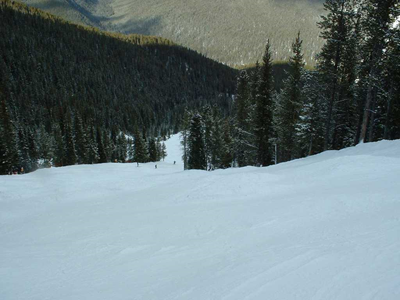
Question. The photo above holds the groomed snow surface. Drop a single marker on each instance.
(324, 227)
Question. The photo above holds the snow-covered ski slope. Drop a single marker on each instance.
(324, 227)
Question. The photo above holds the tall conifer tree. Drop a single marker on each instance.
(139, 143)
(290, 103)
(334, 29)
(379, 18)
(243, 135)
(263, 123)
(197, 155)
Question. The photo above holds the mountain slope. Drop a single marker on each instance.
(231, 31)
(113, 80)
(323, 227)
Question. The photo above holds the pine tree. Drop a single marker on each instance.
(289, 104)
(380, 15)
(92, 147)
(46, 147)
(335, 28)
(392, 79)
(131, 150)
(109, 145)
(310, 129)
(163, 153)
(69, 144)
(251, 153)
(263, 123)
(8, 149)
(153, 153)
(33, 151)
(253, 87)
(227, 146)
(80, 140)
(243, 136)
(197, 156)
(208, 124)
(141, 155)
(185, 130)
(4, 166)
(120, 152)
(59, 151)
(216, 147)
(23, 149)
(100, 146)
(346, 112)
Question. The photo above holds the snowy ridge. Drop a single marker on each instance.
(324, 227)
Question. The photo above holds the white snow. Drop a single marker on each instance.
(324, 227)
(174, 150)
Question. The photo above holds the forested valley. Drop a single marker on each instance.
(72, 94)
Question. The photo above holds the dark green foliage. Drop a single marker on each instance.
(197, 155)
(185, 131)
(9, 159)
(23, 146)
(153, 151)
(377, 33)
(70, 152)
(216, 143)
(290, 104)
(263, 128)
(227, 146)
(59, 148)
(391, 107)
(219, 142)
(243, 100)
(130, 150)
(310, 128)
(81, 141)
(140, 149)
(280, 70)
(45, 145)
(122, 147)
(208, 121)
(111, 147)
(100, 146)
(335, 29)
(92, 149)
(163, 151)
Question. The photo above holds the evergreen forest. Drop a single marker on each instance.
(351, 96)
(73, 94)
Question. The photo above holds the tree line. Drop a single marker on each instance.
(352, 96)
